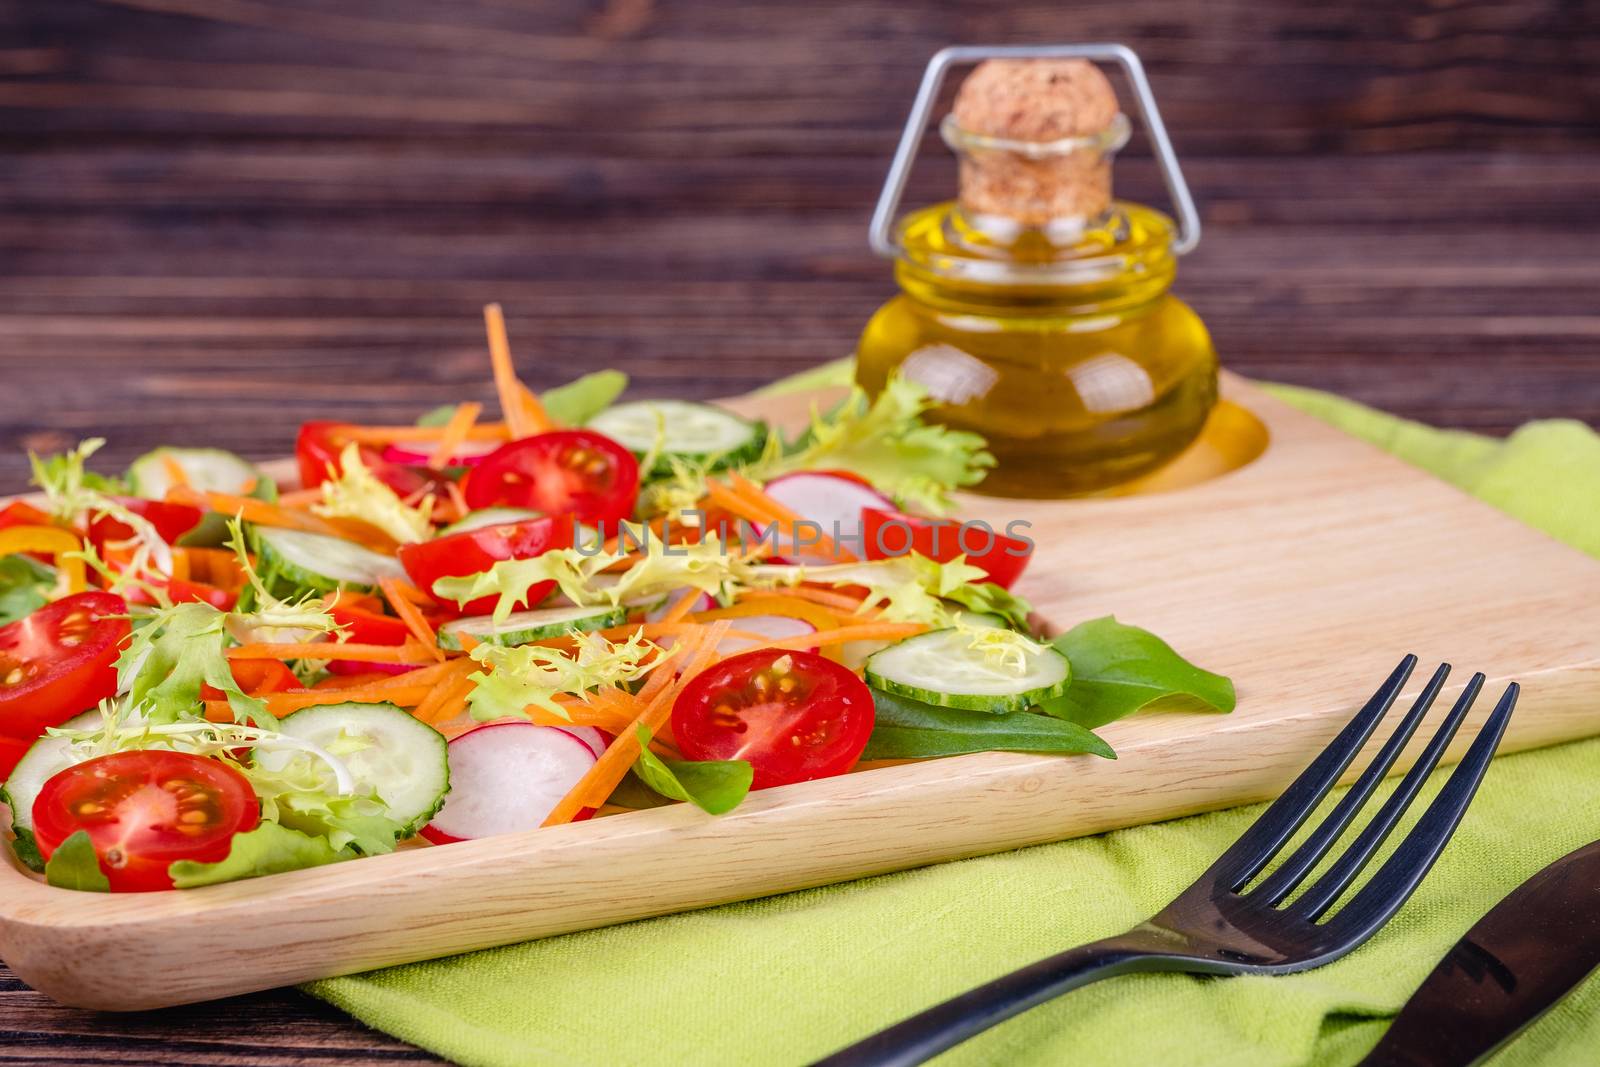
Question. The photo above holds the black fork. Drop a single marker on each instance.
(1222, 924)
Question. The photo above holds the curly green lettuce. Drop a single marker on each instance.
(356, 493)
(515, 679)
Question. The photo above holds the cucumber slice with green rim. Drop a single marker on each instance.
(46, 758)
(486, 517)
(207, 469)
(401, 758)
(302, 560)
(942, 668)
(521, 627)
(698, 433)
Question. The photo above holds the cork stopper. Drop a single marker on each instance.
(1035, 137)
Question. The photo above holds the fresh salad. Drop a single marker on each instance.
(468, 627)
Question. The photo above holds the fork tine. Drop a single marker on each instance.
(1395, 881)
(1279, 822)
(1283, 881)
(1321, 896)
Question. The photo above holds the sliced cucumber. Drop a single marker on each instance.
(485, 517)
(400, 758)
(942, 668)
(521, 627)
(303, 560)
(207, 469)
(47, 757)
(699, 433)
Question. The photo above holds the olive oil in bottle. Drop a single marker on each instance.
(1035, 309)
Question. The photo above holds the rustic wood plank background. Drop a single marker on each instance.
(219, 217)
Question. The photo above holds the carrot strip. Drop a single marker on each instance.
(680, 610)
(788, 519)
(261, 513)
(507, 388)
(387, 435)
(759, 508)
(600, 780)
(445, 694)
(174, 470)
(840, 601)
(410, 652)
(533, 410)
(872, 631)
(455, 432)
(458, 500)
(300, 498)
(281, 704)
(408, 614)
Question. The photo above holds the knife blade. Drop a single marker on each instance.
(1527, 953)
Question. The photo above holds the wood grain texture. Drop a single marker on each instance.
(214, 204)
(1413, 565)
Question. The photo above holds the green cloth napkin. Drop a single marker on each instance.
(786, 979)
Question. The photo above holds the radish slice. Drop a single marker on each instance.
(596, 740)
(703, 602)
(507, 777)
(831, 501)
(470, 454)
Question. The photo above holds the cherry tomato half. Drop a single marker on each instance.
(171, 521)
(144, 811)
(891, 533)
(475, 551)
(59, 661)
(568, 472)
(319, 445)
(794, 715)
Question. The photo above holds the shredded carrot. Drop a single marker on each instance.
(599, 780)
(757, 507)
(454, 687)
(872, 631)
(410, 652)
(281, 704)
(455, 432)
(261, 513)
(458, 501)
(401, 435)
(349, 598)
(841, 602)
(787, 519)
(533, 410)
(522, 418)
(174, 470)
(680, 609)
(408, 614)
(300, 498)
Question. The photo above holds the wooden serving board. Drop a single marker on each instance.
(1304, 575)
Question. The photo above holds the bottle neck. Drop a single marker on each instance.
(962, 263)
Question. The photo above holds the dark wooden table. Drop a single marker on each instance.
(220, 217)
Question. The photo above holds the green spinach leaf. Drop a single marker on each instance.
(76, 865)
(580, 400)
(25, 584)
(909, 729)
(1119, 669)
(714, 786)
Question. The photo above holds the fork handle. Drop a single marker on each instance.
(925, 1035)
